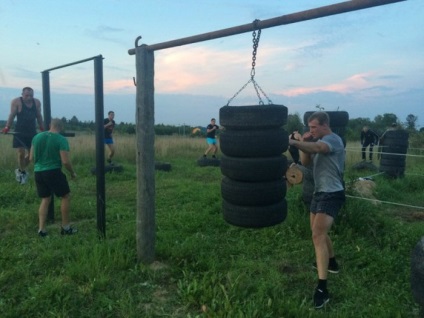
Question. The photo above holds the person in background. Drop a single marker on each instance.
(211, 138)
(27, 110)
(49, 152)
(328, 157)
(368, 138)
(294, 152)
(109, 126)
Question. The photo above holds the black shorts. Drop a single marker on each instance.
(22, 140)
(329, 203)
(51, 182)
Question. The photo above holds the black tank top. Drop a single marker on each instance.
(25, 122)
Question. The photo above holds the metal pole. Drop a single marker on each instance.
(100, 154)
(321, 12)
(45, 79)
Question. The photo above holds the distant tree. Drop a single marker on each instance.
(410, 122)
(355, 125)
(74, 121)
(294, 121)
(319, 107)
(382, 122)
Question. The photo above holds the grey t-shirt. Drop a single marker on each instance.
(328, 168)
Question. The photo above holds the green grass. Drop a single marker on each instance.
(203, 266)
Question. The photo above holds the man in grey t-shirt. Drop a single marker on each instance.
(328, 157)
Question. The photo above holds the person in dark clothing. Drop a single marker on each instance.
(210, 138)
(26, 109)
(109, 125)
(368, 138)
(294, 152)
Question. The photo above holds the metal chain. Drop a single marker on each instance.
(255, 40)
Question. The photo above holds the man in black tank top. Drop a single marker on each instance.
(27, 110)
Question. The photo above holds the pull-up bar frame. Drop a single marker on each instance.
(99, 110)
(145, 223)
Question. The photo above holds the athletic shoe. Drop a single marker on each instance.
(18, 175)
(42, 234)
(332, 268)
(321, 297)
(24, 177)
(69, 231)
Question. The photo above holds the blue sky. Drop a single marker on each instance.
(367, 62)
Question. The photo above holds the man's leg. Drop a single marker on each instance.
(371, 150)
(42, 213)
(64, 209)
(111, 148)
(22, 160)
(214, 149)
(320, 226)
(363, 152)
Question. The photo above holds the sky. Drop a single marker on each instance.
(367, 62)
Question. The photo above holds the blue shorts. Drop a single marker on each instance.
(329, 203)
(211, 141)
(108, 141)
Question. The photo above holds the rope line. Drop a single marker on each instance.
(387, 202)
(387, 153)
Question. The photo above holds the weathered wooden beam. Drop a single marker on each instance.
(145, 220)
(316, 13)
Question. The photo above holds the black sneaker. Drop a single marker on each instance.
(42, 234)
(321, 297)
(332, 268)
(69, 231)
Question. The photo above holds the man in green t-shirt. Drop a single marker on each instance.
(49, 151)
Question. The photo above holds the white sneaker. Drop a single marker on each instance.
(24, 177)
(18, 175)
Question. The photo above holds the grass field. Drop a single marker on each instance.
(203, 267)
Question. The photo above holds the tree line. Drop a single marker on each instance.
(294, 121)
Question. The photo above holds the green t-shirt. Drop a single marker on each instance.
(46, 150)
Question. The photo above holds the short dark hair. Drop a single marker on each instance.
(27, 89)
(213, 119)
(111, 112)
(322, 118)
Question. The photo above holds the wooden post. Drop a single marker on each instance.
(145, 220)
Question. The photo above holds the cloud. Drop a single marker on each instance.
(352, 84)
(106, 33)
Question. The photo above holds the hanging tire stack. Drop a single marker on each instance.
(338, 123)
(252, 142)
(394, 146)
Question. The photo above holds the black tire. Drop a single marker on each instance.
(253, 216)
(393, 156)
(162, 166)
(253, 117)
(109, 168)
(254, 143)
(394, 172)
(253, 193)
(204, 162)
(254, 169)
(398, 163)
(337, 118)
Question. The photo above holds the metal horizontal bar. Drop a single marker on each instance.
(69, 64)
(316, 13)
